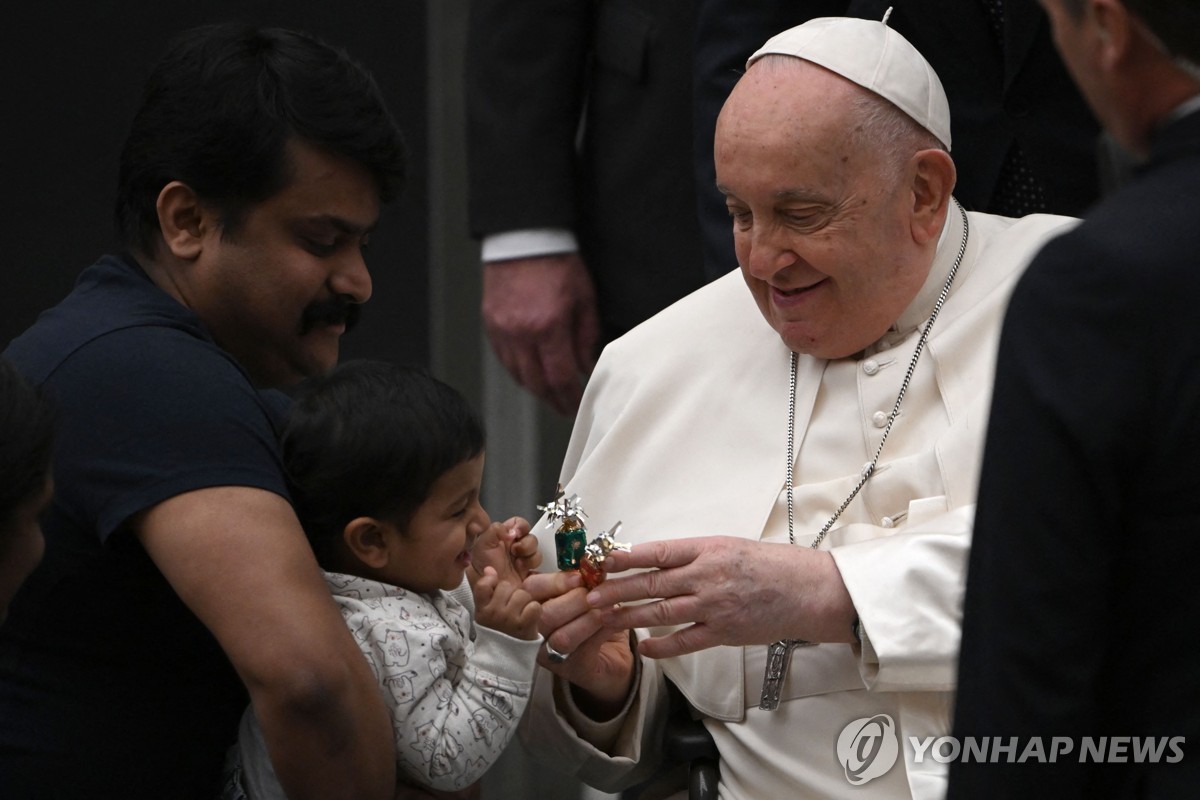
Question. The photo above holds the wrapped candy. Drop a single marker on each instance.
(570, 538)
(571, 547)
(591, 566)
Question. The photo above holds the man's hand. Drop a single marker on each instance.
(725, 591)
(599, 661)
(504, 606)
(540, 316)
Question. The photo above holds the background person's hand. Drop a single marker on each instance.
(725, 591)
(540, 316)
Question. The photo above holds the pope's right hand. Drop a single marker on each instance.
(600, 662)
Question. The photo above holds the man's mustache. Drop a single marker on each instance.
(334, 311)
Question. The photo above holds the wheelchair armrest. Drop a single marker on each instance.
(686, 739)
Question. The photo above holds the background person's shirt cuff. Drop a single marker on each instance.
(528, 243)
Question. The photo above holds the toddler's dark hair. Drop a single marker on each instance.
(370, 439)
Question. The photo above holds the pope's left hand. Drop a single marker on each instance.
(725, 591)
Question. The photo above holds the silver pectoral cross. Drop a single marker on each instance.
(779, 656)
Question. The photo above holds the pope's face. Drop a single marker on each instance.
(821, 229)
(279, 290)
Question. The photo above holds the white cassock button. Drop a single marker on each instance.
(879, 419)
(871, 366)
(887, 522)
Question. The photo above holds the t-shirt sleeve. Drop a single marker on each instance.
(152, 413)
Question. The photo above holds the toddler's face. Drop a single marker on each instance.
(435, 550)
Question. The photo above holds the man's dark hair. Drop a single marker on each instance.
(370, 439)
(219, 110)
(26, 442)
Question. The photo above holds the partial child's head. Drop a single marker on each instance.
(384, 464)
(26, 439)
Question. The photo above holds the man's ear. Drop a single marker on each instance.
(182, 220)
(364, 537)
(933, 177)
(1114, 30)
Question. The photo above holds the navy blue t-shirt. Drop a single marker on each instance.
(109, 685)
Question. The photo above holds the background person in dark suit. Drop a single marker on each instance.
(1081, 607)
(581, 185)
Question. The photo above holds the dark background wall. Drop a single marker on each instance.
(70, 80)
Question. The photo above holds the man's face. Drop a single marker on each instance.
(277, 292)
(821, 230)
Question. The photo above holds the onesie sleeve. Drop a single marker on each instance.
(455, 702)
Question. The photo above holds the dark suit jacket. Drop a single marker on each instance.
(579, 117)
(727, 32)
(1026, 96)
(1082, 608)
(997, 97)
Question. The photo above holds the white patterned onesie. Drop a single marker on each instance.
(455, 690)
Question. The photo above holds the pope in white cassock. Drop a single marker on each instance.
(797, 462)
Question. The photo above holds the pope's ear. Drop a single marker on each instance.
(182, 220)
(364, 538)
(933, 178)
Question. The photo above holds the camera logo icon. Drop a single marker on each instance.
(867, 748)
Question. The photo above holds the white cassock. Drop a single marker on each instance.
(683, 432)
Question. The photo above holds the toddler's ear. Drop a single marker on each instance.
(364, 537)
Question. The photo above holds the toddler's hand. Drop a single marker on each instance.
(523, 546)
(505, 606)
(509, 548)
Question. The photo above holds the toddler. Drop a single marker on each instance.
(384, 464)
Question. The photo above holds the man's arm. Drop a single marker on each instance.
(238, 559)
